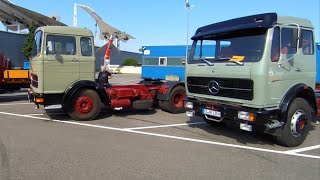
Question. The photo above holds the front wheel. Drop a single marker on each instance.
(85, 105)
(297, 127)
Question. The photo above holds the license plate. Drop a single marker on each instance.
(245, 127)
(56, 106)
(211, 112)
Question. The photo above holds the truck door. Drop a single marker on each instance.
(61, 63)
(289, 65)
(87, 59)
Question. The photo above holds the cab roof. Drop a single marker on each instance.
(66, 30)
(257, 21)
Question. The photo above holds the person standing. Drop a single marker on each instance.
(103, 77)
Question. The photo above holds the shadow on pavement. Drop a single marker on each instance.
(232, 130)
(12, 97)
(59, 114)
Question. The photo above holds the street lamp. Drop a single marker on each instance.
(188, 8)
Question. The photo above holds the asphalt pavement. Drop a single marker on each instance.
(149, 144)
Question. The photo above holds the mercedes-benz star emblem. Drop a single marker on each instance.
(214, 87)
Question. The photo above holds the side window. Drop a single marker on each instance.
(37, 43)
(162, 61)
(64, 45)
(286, 37)
(275, 47)
(307, 42)
(86, 46)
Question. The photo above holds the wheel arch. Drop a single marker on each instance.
(78, 85)
(170, 85)
(299, 90)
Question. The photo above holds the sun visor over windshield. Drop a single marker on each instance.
(249, 22)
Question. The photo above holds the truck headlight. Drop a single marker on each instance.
(188, 105)
(247, 116)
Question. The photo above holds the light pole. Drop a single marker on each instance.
(188, 8)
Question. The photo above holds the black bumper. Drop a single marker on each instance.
(49, 99)
(230, 113)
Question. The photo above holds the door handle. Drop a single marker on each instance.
(298, 70)
(75, 60)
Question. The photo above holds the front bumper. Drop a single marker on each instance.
(230, 112)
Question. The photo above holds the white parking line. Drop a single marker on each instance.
(169, 125)
(12, 104)
(36, 114)
(171, 137)
(304, 149)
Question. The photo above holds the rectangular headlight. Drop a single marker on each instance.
(188, 105)
(247, 116)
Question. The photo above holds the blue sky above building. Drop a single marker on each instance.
(165, 22)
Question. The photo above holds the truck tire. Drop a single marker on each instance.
(162, 105)
(175, 104)
(297, 127)
(85, 105)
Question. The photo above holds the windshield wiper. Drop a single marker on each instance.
(231, 60)
(206, 61)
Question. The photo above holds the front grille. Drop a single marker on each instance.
(228, 87)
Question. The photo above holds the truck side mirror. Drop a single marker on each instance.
(294, 38)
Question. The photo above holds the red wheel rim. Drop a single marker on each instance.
(84, 104)
(178, 99)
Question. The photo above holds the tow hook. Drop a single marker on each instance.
(37, 106)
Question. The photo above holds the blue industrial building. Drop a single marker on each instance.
(160, 61)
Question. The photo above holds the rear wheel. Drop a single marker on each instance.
(85, 105)
(175, 104)
(298, 123)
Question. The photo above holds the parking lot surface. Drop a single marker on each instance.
(149, 144)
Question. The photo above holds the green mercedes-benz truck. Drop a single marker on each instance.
(260, 73)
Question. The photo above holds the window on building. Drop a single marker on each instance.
(64, 45)
(307, 42)
(163, 61)
(286, 39)
(275, 47)
(86, 46)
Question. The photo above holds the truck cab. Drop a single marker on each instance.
(259, 72)
(64, 57)
(63, 76)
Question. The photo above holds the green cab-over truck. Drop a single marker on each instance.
(63, 76)
(261, 75)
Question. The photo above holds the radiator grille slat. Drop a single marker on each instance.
(229, 87)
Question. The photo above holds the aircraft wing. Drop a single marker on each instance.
(10, 13)
(106, 29)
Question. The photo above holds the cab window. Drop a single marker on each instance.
(86, 46)
(37, 43)
(307, 42)
(275, 47)
(286, 38)
(64, 45)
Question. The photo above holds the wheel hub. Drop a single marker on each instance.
(178, 100)
(84, 104)
(298, 123)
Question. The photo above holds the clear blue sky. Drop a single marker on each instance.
(164, 22)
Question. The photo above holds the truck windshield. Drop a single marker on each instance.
(246, 46)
